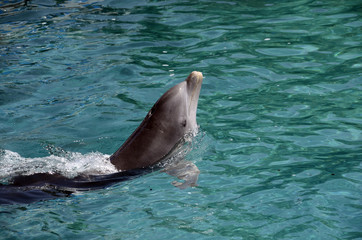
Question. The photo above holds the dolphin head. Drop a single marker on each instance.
(170, 118)
(178, 106)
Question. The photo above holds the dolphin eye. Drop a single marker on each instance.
(151, 111)
(184, 123)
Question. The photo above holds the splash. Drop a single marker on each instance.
(190, 142)
(69, 164)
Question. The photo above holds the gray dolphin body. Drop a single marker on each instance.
(169, 120)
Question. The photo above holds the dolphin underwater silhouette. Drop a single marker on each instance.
(165, 127)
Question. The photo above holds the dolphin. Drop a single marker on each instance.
(165, 127)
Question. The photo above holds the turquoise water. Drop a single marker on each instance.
(280, 142)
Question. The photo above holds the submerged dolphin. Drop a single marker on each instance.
(167, 123)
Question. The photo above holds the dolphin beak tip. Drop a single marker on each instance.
(197, 74)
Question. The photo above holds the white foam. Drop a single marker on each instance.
(69, 164)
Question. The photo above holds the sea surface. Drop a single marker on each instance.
(280, 114)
